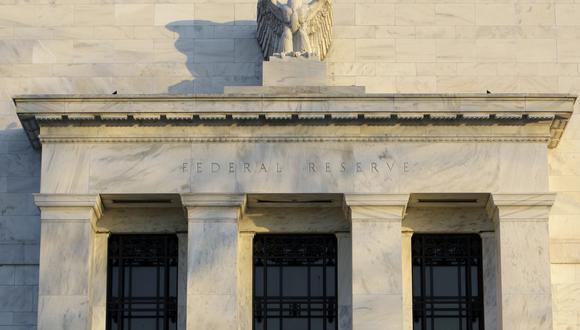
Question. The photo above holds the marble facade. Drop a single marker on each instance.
(372, 170)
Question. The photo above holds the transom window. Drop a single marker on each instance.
(295, 282)
(447, 282)
(142, 282)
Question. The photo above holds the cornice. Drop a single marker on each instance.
(317, 109)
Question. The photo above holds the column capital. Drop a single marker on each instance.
(213, 207)
(487, 234)
(213, 200)
(376, 207)
(532, 199)
(92, 201)
(376, 199)
(506, 207)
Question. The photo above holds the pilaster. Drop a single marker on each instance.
(67, 264)
(212, 268)
(376, 260)
(523, 269)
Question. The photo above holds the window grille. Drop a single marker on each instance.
(447, 282)
(142, 282)
(295, 282)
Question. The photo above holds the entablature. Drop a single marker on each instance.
(284, 109)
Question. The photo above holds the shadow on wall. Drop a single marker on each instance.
(218, 55)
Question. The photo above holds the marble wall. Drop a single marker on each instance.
(153, 46)
(308, 167)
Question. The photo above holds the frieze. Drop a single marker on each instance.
(309, 167)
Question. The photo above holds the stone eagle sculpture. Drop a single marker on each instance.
(294, 28)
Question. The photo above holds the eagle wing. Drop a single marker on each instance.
(320, 26)
(271, 20)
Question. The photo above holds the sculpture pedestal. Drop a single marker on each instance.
(294, 71)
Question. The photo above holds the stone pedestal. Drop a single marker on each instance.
(212, 268)
(524, 289)
(294, 71)
(66, 262)
(376, 260)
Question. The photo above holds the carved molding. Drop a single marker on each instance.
(70, 200)
(319, 109)
(376, 199)
(213, 200)
(296, 139)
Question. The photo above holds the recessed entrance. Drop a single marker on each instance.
(295, 282)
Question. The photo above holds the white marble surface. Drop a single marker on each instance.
(407, 274)
(294, 71)
(489, 264)
(65, 168)
(245, 280)
(63, 312)
(344, 251)
(67, 265)
(296, 167)
(522, 236)
(377, 311)
(147, 168)
(212, 268)
(442, 219)
(294, 220)
(98, 278)
(376, 266)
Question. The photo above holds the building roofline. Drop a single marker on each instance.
(357, 108)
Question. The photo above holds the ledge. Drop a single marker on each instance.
(290, 108)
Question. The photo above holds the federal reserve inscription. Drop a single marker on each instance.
(310, 167)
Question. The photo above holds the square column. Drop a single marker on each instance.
(67, 242)
(212, 266)
(245, 280)
(344, 249)
(98, 287)
(407, 262)
(523, 278)
(489, 264)
(182, 281)
(376, 260)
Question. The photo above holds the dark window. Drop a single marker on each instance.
(142, 282)
(295, 282)
(447, 283)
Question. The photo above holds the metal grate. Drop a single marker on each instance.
(142, 282)
(447, 282)
(295, 282)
